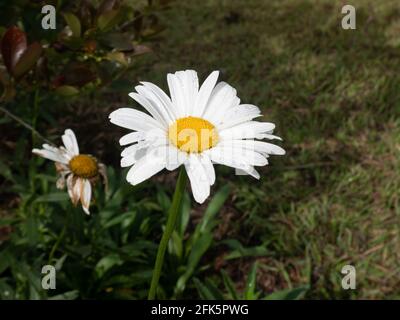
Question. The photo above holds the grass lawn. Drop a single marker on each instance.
(334, 94)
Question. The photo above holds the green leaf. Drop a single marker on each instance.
(28, 59)
(53, 197)
(124, 218)
(67, 90)
(216, 293)
(198, 250)
(5, 260)
(74, 24)
(229, 285)
(175, 245)
(251, 283)
(108, 19)
(32, 230)
(6, 291)
(203, 291)
(117, 41)
(5, 171)
(60, 262)
(240, 251)
(213, 208)
(69, 295)
(106, 263)
(288, 294)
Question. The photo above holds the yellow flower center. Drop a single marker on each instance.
(192, 134)
(84, 166)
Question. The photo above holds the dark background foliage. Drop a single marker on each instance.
(332, 200)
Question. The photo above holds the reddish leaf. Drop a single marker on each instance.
(78, 74)
(28, 59)
(13, 46)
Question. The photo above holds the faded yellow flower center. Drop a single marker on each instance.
(84, 166)
(192, 134)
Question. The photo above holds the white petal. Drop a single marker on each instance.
(239, 114)
(131, 138)
(70, 142)
(247, 130)
(151, 107)
(175, 158)
(258, 146)
(253, 172)
(237, 157)
(159, 100)
(268, 136)
(150, 164)
(86, 195)
(205, 93)
(209, 167)
(241, 111)
(133, 119)
(177, 97)
(199, 180)
(133, 156)
(52, 153)
(189, 86)
(223, 97)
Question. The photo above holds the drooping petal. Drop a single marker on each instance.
(86, 195)
(103, 174)
(209, 167)
(77, 190)
(70, 186)
(199, 180)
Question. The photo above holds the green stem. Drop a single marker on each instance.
(23, 123)
(55, 247)
(172, 216)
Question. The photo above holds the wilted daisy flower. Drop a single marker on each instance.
(78, 171)
(196, 127)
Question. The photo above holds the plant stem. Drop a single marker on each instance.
(23, 123)
(55, 247)
(172, 216)
(35, 114)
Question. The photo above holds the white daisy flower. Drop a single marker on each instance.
(196, 127)
(78, 171)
